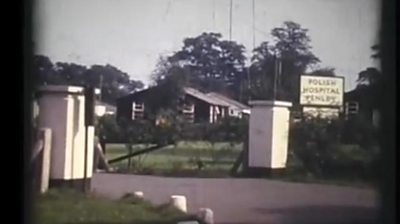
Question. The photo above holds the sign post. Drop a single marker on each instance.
(321, 96)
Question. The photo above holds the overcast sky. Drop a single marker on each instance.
(132, 34)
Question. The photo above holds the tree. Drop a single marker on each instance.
(71, 73)
(44, 71)
(261, 72)
(161, 71)
(369, 83)
(214, 64)
(113, 82)
(368, 77)
(291, 47)
(328, 72)
(168, 91)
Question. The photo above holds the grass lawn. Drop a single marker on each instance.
(66, 206)
(217, 157)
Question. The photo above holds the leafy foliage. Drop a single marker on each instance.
(368, 77)
(170, 128)
(329, 72)
(292, 47)
(168, 93)
(318, 146)
(114, 83)
(214, 64)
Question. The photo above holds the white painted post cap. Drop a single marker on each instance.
(207, 215)
(138, 194)
(188, 222)
(62, 89)
(269, 103)
(179, 202)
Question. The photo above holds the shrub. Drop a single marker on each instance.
(229, 129)
(361, 132)
(108, 128)
(317, 146)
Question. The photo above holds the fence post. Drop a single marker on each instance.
(41, 160)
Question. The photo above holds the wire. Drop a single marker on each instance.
(254, 25)
(167, 10)
(213, 14)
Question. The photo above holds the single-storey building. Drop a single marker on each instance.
(362, 101)
(197, 106)
(102, 109)
(236, 108)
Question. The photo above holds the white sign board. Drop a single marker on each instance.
(321, 112)
(321, 91)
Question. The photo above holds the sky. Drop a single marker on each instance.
(133, 34)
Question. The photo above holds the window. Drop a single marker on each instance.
(352, 107)
(188, 112)
(137, 110)
(188, 108)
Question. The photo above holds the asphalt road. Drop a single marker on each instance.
(251, 201)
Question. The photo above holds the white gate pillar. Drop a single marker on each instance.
(268, 137)
(62, 109)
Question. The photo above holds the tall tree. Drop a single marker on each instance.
(368, 77)
(214, 64)
(261, 72)
(291, 46)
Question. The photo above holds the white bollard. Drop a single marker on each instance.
(188, 222)
(179, 202)
(207, 215)
(138, 194)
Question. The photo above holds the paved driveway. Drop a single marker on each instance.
(250, 200)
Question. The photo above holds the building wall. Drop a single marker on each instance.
(100, 110)
(201, 108)
(235, 112)
(124, 108)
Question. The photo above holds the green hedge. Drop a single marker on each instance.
(333, 148)
(146, 131)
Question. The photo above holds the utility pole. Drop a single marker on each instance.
(213, 14)
(101, 87)
(254, 23)
(230, 20)
(276, 71)
(254, 45)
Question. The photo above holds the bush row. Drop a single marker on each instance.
(135, 132)
(329, 148)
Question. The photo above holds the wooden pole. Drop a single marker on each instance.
(153, 148)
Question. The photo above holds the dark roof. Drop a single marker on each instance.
(190, 91)
(108, 106)
(133, 95)
(364, 95)
(204, 97)
(231, 102)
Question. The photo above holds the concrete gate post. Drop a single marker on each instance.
(268, 137)
(62, 109)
